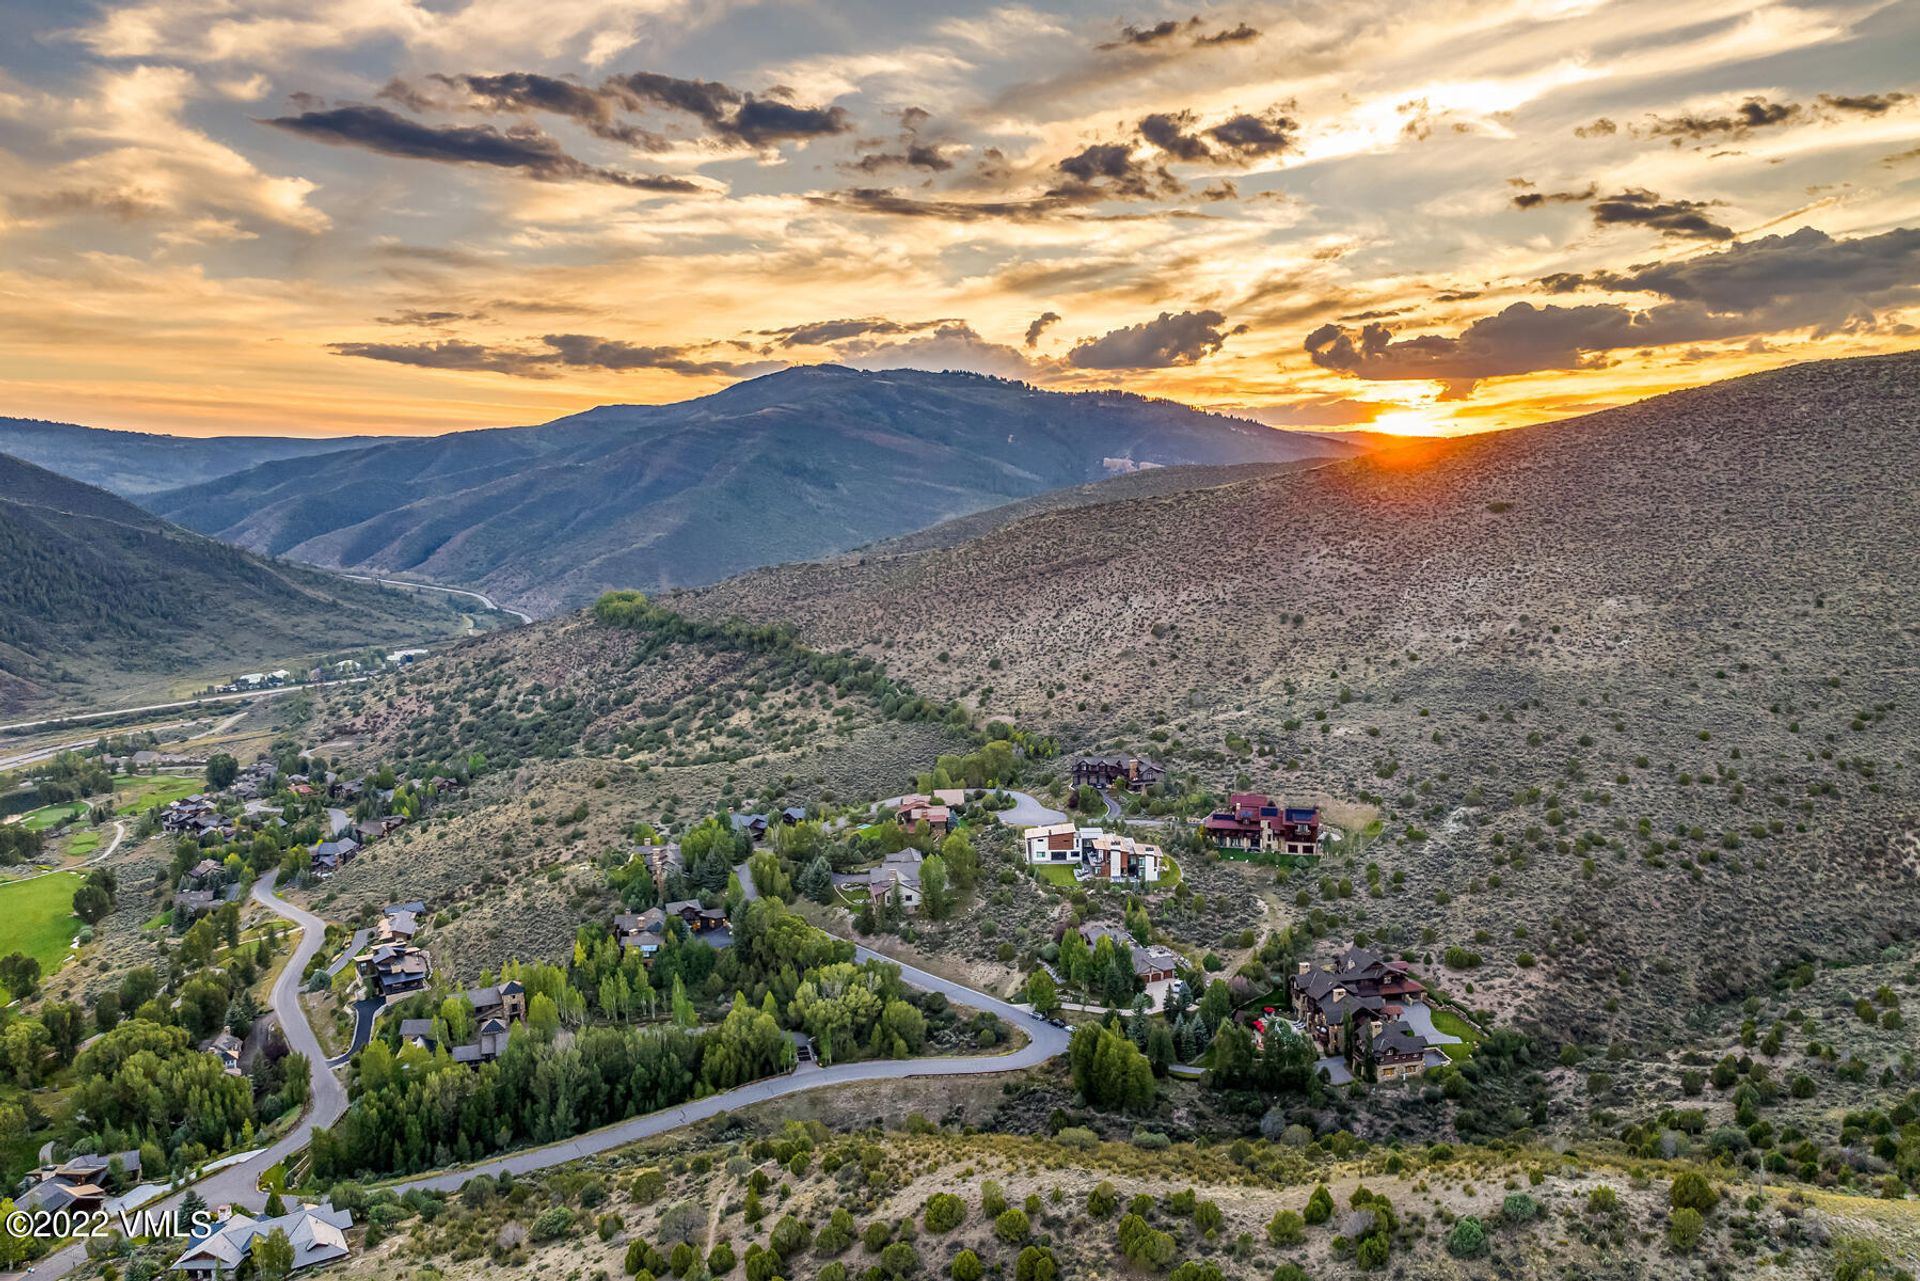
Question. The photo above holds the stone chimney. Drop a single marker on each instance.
(1306, 967)
(1339, 993)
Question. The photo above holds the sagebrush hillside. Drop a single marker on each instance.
(802, 463)
(1635, 692)
(98, 593)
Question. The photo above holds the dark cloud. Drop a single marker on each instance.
(1601, 128)
(451, 354)
(1680, 219)
(1807, 280)
(525, 149)
(1164, 341)
(1249, 135)
(527, 91)
(728, 113)
(1110, 169)
(1535, 199)
(1171, 132)
(918, 155)
(1167, 34)
(1754, 113)
(883, 200)
(1866, 104)
(1231, 35)
(818, 332)
(1040, 325)
(1158, 33)
(559, 352)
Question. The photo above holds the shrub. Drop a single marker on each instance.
(1143, 1245)
(1102, 1201)
(1319, 1205)
(835, 1271)
(1519, 1208)
(899, 1260)
(1691, 1191)
(1078, 1137)
(945, 1212)
(1373, 1251)
(553, 1222)
(1468, 1239)
(720, 1261)
(1603, 1200)
(1290, 1272)
(1011, 1226)
(965, 1267)
(993, 1199)
(1684, 1226)
(1035, 1264)
(1208, 1218)
(789, 1237)
(1285, 1228)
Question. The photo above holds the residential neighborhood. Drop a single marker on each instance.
(1093, 854)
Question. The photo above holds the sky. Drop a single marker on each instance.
(320, 217)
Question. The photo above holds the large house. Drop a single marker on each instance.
(1094, 854)
(1152, 963)
(915, 810)
(80, 1183)
(1129, 773)
(399, 922)
(393, 968)
(495, 1010)
(1353, 1008)
(1251, 821)
(317, 1234)
(896, 880)
(648, 930)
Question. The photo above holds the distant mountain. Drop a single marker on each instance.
(98, 594)
(131, 463)
(802, 463)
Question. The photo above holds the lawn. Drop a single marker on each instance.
(53, 815)
(83, 843)
(137, 793)
(1453, 1025)
(36, 917)
(1056, 873)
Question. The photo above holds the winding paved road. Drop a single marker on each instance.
(1045, 1042)
(239, 1183)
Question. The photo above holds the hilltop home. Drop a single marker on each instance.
(1129, 773)
(1251, 821)
(661, 859)
(1353, 1006)
(80, 1182)
(1094, 854)
(317, 1234)
(495, 1010)
(754, 825)
(393, 968)
(897, 880)
(914, 810)
(1152, 962)
(648, 930)
(399, 922)
(330, 856)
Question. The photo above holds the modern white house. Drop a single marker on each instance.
(1094, 853)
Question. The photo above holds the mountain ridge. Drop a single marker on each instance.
(99, 588)
(808, 461)
(131, 463)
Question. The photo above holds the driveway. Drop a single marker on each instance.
(354, 944)
(1029, 812)
(1419, 1017)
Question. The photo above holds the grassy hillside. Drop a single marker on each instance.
(1635, 693)
(131, 463)
(99, 595)
(802, 463)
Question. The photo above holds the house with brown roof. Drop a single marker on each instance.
(1352, 1007)
(1252, 821)
(1126, 772)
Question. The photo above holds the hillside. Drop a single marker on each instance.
(132, 463)
(100, 595)
(1635, 692)
(802, 463)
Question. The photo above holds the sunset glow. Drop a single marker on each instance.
(358, 216)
